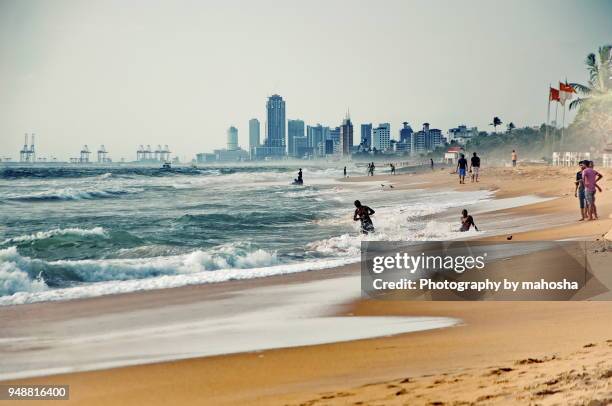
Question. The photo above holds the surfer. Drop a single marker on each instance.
(299, 180)
(363, 213)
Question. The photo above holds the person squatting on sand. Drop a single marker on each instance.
(467, 221)
(462, 164)
(590, 177)
(475, 167)
(363, 213)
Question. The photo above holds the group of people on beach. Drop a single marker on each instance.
(371, 168)
(586, 188)
(474, 168)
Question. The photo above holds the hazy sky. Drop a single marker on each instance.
(125, 73)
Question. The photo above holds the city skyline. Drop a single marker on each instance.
(125, 75)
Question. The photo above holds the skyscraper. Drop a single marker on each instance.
(253, 136)
(232, 138)
(366, 135)
(381, 137)
(295, 129)
(275, 140)
(346, 137)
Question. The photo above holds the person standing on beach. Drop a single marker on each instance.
(432, 163)
(372, 167)
(590, 177)
(579, 191)
(467, 221)
(475, 167)
(392, 169)
(345, 171)
(514, 158)
(363, 213)
(462, 168)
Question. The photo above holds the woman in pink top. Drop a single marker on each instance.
(590, 177)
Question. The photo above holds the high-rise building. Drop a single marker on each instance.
(427, 139)
(276, 135)
(366, 135)
(295, 129)
(254, 136)
(381, 137)
(346, 137)
(406, 138)
(232, 138)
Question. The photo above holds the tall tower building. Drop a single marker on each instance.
(232, 138)
(254, 136)
(295, 129)
(346, 137)
(275, 137)
(366, 135)
(381, 137)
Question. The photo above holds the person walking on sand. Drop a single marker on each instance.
(590, 177)
(514, 158)
(579, 191)
(475, 167)
(345, 171)
(467, 221)
(462, 168)
(372, 167)
(431, 163)
(363, 213)
(392, 169)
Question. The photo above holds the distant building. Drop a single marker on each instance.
(254, 136)
(233, 155)
(232, 138)
(316, 137)
(346, 137)
(405, 143)
(276, 135)
(300, 147)
(205, 158)
(427, 139)
(381, 137)
(366, 135)
(295, 129)
(329, 147)
(461, 134)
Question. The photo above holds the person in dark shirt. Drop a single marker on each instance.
(345, 171)
(475, 167)
(363, 213)
(467, 221)
(431, 162)
(462, 164)
(579, 191)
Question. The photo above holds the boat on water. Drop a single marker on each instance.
(166, 165)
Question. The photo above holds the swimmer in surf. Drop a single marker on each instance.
(363, 213)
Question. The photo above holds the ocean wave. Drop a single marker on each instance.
(41, 235)
(65, 194)
(23, 274)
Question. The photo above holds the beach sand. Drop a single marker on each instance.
(502, 352)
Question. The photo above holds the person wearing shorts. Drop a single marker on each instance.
(462, 164)
(590, 177)
(475, 167)
(579, 191)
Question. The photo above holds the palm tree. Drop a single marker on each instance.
(496, 121)
(600, 77)
(511, 127)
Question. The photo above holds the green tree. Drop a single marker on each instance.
(600, 77)
(511, 127)
(496, 121)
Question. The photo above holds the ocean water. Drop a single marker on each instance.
(71, 232)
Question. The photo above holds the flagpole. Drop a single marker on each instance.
(546, 140)
(563, 124)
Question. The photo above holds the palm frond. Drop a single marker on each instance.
(580, 88)
(577, 102)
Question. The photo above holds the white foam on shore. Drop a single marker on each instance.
(254, 319)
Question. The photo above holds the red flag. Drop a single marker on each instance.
(553, 95)
(565, 93)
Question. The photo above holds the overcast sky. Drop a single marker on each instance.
(124, 73)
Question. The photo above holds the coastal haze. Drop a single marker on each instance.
(181, 73)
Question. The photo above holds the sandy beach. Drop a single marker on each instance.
(499, 352)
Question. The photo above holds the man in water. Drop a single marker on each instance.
(363, 213)
(462, 168)
(590, 177)
(579, 191)
(514, 158)
(475, 167)
(299, 179)
(467, 221)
